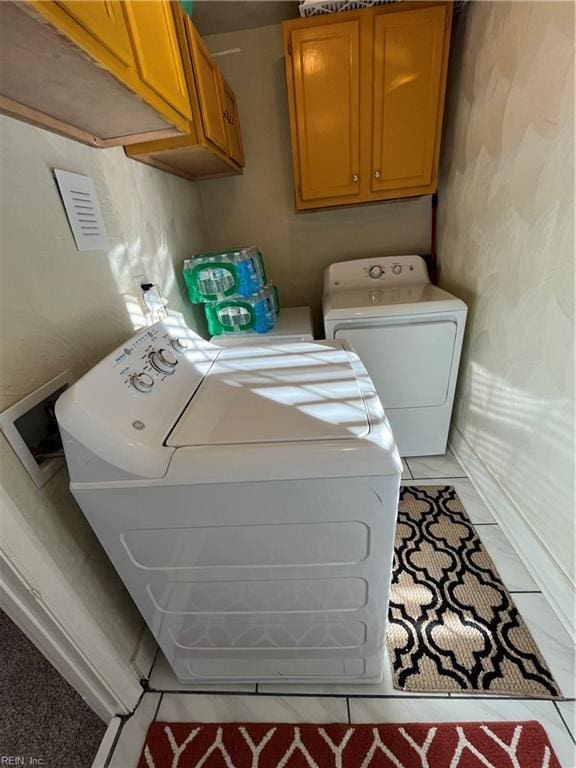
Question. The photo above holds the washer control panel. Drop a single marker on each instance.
(135, 396)
(388, 270)
(153, 356)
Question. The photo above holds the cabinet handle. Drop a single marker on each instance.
(355, 178)
(376, 174)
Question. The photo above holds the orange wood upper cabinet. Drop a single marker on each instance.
(100, 71)
(408, 73)
(366, 95)
(213, 145)
(157, 52)
(326, 91)
(209, 90)
(232, 122)
(105, 22)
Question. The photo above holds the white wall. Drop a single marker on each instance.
(506, 246)
(64, 309)
(258, 207)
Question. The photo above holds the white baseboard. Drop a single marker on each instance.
(144, 653)
(544, 569)
(101, 758)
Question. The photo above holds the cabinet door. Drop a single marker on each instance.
(326, 83)
(103, 21)
(407, 89)
(209, 91)
(157, 52)
(235, 149)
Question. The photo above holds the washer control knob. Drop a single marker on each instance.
(163, 360)
(179, 344)
(397, 269)
(143, 382)
(376, 271)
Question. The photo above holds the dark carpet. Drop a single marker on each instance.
(44, 720)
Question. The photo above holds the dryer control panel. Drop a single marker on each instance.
(387, 270)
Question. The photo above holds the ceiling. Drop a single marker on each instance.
(215, 16)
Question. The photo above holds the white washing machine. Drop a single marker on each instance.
(408, 333)
(247, 497)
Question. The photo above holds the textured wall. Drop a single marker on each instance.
(63, 309)
(258, 207)
(506, 247)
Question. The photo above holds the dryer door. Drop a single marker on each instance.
(409, 363)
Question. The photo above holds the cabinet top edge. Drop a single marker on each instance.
(360, 13)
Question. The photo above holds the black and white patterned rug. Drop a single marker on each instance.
(453, 626)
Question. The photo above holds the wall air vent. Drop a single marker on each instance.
(83, 210)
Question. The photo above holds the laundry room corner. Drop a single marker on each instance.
(62, 309)
(287, 377)
(505, 239)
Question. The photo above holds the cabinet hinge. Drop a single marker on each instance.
(289, 46)
(300, 191)
(433, 173)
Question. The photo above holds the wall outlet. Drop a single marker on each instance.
(150, 297)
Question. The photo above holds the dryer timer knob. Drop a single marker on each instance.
(376, 271)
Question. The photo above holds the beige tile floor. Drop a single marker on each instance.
(174, 701)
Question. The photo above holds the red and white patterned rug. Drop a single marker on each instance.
(414, 745)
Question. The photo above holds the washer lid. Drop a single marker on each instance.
(411, 299)
(294, 392)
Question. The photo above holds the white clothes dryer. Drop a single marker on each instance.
(247, 497)
(408, 333)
